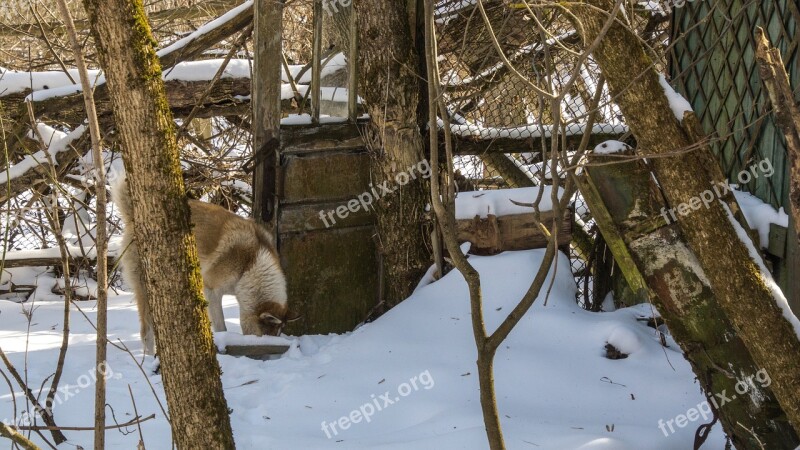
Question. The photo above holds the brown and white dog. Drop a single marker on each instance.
(237, 257)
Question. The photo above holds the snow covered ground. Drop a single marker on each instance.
(405, 381)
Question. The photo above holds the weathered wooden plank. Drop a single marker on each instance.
(260, 351)
(301, 218)
(475, 145)
(324, 177)
(777, 240)
(494, 234)
(790, 282)
(316, 138)
(17, 292)
(332, 278)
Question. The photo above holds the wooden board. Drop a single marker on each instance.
(493, 234)
(255, 351)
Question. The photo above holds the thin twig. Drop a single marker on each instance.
(138, 424)
(134, 421)
(101, 240)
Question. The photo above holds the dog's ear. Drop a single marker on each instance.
(269, 318)
(292, 316)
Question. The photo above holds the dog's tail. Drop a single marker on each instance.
(122, 198)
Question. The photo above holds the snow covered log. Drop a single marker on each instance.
(519, 142)
(15, 113)
(502, 220)
(230, 96)
(493, 234)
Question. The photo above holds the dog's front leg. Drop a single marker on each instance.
(215, 310)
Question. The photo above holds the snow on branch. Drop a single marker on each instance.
(56, 142)
(205, 29)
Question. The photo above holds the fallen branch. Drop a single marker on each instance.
(229, 97)
(173, 54)
(135, 421)
(787, 114)
(209, 8)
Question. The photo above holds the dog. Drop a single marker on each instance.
(237, 257)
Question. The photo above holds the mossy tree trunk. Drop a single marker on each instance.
(389, 83)
(735, 277)
(687, 305)
(166, 245)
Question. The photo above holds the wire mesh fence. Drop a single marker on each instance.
(504, 98)
(473, 174)
(714, 67)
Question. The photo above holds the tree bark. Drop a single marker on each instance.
(787, 114)
(686, 303)
(101, 239)
(162, 231)
(391, 89)
(746, 296)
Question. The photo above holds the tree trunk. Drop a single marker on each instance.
(748, 298)
(101, 239)
(391, 88)
(787, 115)
(166, 245)
(687, 305)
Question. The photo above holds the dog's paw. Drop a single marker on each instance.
(152, 365)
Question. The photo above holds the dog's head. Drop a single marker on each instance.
(267, 318)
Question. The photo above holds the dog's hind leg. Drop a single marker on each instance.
(214, 298)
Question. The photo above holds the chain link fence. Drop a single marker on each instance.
(494, 99)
